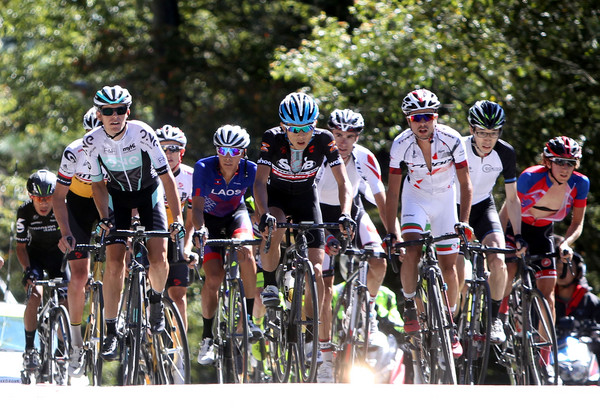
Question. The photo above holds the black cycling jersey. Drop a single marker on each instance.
(275, 152)
(37, 231)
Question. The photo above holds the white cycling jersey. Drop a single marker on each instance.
(184, 183)
(74, 170)
(447, 152)
(363, 171)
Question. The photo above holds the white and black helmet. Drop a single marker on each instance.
(232, 136)
(41, 183)
(170, 133)
(346, 120)
(298, 109)
(90, 120)
(420, 100)
(112, 95)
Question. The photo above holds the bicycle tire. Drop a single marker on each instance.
(174, 353)
(474, 329)
(94, 335)
(132, 335)
(339, 329)
(277, 335)
(443, 369)
(304, 326)
(539, 334)
(59, 345)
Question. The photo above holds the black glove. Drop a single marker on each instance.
(29, 274)
(347, 222)
(104, 222)
(519, 240)
(177, 227)
(266, 220)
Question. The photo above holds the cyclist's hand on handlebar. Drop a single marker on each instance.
(104, 225)
(566, 252)
(332, 245)
(192, 259)
(347, 225)
(388, 244)
(177, 231)
(66, 243)
(200, 237)
(463, 227)
(266, 220)
(29, 277)
(521, 245)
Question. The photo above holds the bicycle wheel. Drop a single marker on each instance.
(59, 345)
(94, 335)
(304, 324)
(474, 330)
(539, 340)
(442, 361)
(278, 347)
(231, 333)
(339, 328)
(173, 353)
(132, 335)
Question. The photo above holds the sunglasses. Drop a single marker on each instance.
(295, 130)
(122, 110)
(564, 162)
(234, 152)
(171, 148)
(487, 134)
(422, 117)
(42, 199)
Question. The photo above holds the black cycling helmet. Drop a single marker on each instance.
(562, 147)
(486, 114)
(41, 183)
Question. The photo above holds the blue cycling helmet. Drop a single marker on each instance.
(298, 109)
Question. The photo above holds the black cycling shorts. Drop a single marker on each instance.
(83, 217)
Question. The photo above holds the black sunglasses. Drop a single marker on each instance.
(121, 110)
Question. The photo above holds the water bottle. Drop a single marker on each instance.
(288, 288)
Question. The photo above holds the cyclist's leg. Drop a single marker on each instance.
(241, 228)
(177, 283)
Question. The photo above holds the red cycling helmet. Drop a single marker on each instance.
(562, 147)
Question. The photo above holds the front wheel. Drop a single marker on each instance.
(59, 345)
(94, 335)
(173, 351)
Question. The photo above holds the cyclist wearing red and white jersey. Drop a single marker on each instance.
(434, 156)
(173, 142)
(76, 215)
(489, 157)
(219, 211)
(129, 152)
(362, 168)
(290, 157)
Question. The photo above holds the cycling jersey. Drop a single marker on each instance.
(533, 184)
(37, 231)
(74, 170)
(132, 163)
(222, 198)
(275, 152)
(484, 171)
(447, 152)
(183, 182)
(362, 168)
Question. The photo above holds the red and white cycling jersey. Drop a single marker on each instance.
(447, 152)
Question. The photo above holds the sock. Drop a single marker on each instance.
(249, 306)
(76, 338)
(326, 349)
(207, 330)
(269, 278)
(495, 308)
(111, 326)
(504, 306)
(409, 295)
(154, 296)
(29, 339)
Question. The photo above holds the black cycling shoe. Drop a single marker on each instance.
(157, 317)
(110, 347)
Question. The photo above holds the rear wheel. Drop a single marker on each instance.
(174, 352)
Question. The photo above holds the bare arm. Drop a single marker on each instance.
(380, 201)
(22, 255)
(198, 211)
(100, 193)
(261, 198)
(576, 227)
(391, 204)
(59, 206)
(513, 207)
(466, 193)
(344, 188)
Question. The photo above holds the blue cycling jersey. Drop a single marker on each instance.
(221, 198)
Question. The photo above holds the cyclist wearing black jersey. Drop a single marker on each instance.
(138, 172)
(37, 250)
(76, 214)
(290, 157)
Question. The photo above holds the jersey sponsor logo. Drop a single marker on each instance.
(20, 225)
(332, 146)
(283, 164)
(227, 192)
(112, 162)
(265, 147)
(488, 168)
(70, 156)
(129, 148)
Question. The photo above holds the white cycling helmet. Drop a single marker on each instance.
(346, 120)
(90, 120)
(232, 136)
(170, 133)
(420, 100)
(112, 95)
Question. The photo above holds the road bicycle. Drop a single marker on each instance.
(147, 358)
(231, 335)
(292, 328)
(350, 325)
(530, 330)
(54, 335)
(431, 347)
(475, 318)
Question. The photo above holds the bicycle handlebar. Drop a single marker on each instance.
(233, 242)
(365, 252)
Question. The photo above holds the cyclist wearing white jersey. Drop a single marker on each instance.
(76, 215)
(173, 142)
(434, 156)
(489, 157)
(362, 168)
(129, 152)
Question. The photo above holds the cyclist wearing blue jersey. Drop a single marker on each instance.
(291, 155)
(138, 174)
(219, 211)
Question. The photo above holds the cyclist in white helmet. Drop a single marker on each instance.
(435, 156)
(173, 142)
(219, 211)
(139, 177)
(364, 174)
(76, 215)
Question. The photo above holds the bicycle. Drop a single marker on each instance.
(350, 326)
(147, 358)
(231, 320)
(529, 330)
(431, 347)
(294, 324)
(54, 335)
(475, 319)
